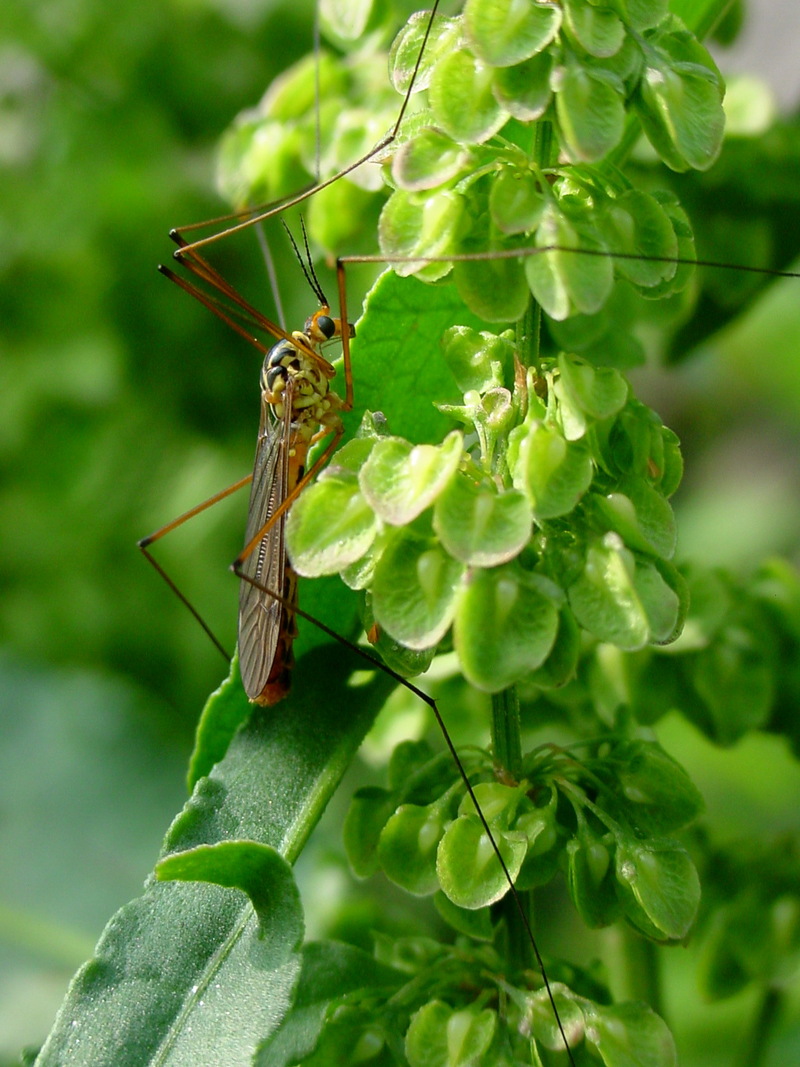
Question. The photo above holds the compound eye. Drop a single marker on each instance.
(326, 326)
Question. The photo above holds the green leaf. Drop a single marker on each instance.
(643, 519)
(348, 18)
(408, 844)
(644, 14)
(663, 882)
(735, 679)
(409, 759)
(478, 361)
(495, 289)
(330, 526)
(337, 215)
(751, 940)
(467, 865)
(406, 661)
(369, 811)
(602, 339)
(597, 29)
(664, 607)
(671, 471)
(293, 93)
(604, 597)
(442, 1037)
(462, 99)
(637, 225)
(473, 923)
(219, 986)
(539, 826)
(584, 390)
(225, 711)
(505, 625)
(498, 802)
(543, 1022)
(561, 277)
(429, 160)
(418, 231)
(414, 590)
(418, 775)
(515, 201)
(399, 480)
(524, 90)
(685, 252)
(259, 871)
(480, 526)
(350, 1035)
(267, 165)
(505, 32)
(638, 444)
(408, 46)
(630, 1035)
(591, 112)
(661, 796)
(552, 472)
(679, 102)
(562, 662)
(397, 361)
(591, 879)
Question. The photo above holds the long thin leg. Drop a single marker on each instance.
(341, 284)
(158, 534)
(523, 253)
(251, 316)
(262, 212)
(196, 510)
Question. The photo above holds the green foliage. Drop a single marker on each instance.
(611, 566)
(231, 833)
(535, 541)
(593, 816)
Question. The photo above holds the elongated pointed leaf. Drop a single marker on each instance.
(187, 956)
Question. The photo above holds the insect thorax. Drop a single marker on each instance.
(290, 370)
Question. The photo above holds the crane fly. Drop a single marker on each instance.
(298, 408)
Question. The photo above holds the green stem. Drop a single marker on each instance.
(754, 1052)
(638, 969)
(507, 749)
(528, 329)
(506, 734)
(528, 335)
(545, 147)
(506, 739)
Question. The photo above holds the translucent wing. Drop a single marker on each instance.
(263, 621)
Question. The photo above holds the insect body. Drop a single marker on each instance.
(297, 408)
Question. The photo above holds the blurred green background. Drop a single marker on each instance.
(122, 403)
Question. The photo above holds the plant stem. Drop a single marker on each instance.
(545, 148)
(507, 749)
(528, 335)
(506, 740)
(544, 153)
(642, 977)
